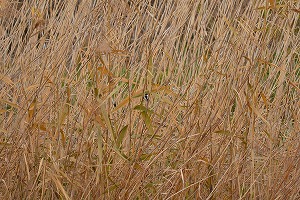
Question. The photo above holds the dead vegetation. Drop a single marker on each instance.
(149, 99)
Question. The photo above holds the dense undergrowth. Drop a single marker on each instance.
(151, 99)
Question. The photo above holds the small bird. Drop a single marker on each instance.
(146, 96)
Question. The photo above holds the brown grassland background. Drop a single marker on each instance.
(123, 99)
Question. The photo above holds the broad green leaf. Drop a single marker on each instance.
(147, 121)
(142, 108)
(121, 136)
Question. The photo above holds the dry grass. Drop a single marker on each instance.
(150, 99)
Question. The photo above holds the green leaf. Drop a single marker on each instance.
(224, 132)
(121, 136)
(145, 156)
(142, 108)
(121, 154)
(147, 121)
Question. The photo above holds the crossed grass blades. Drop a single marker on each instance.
(149, 99)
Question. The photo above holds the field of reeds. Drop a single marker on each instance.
(150, 99)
